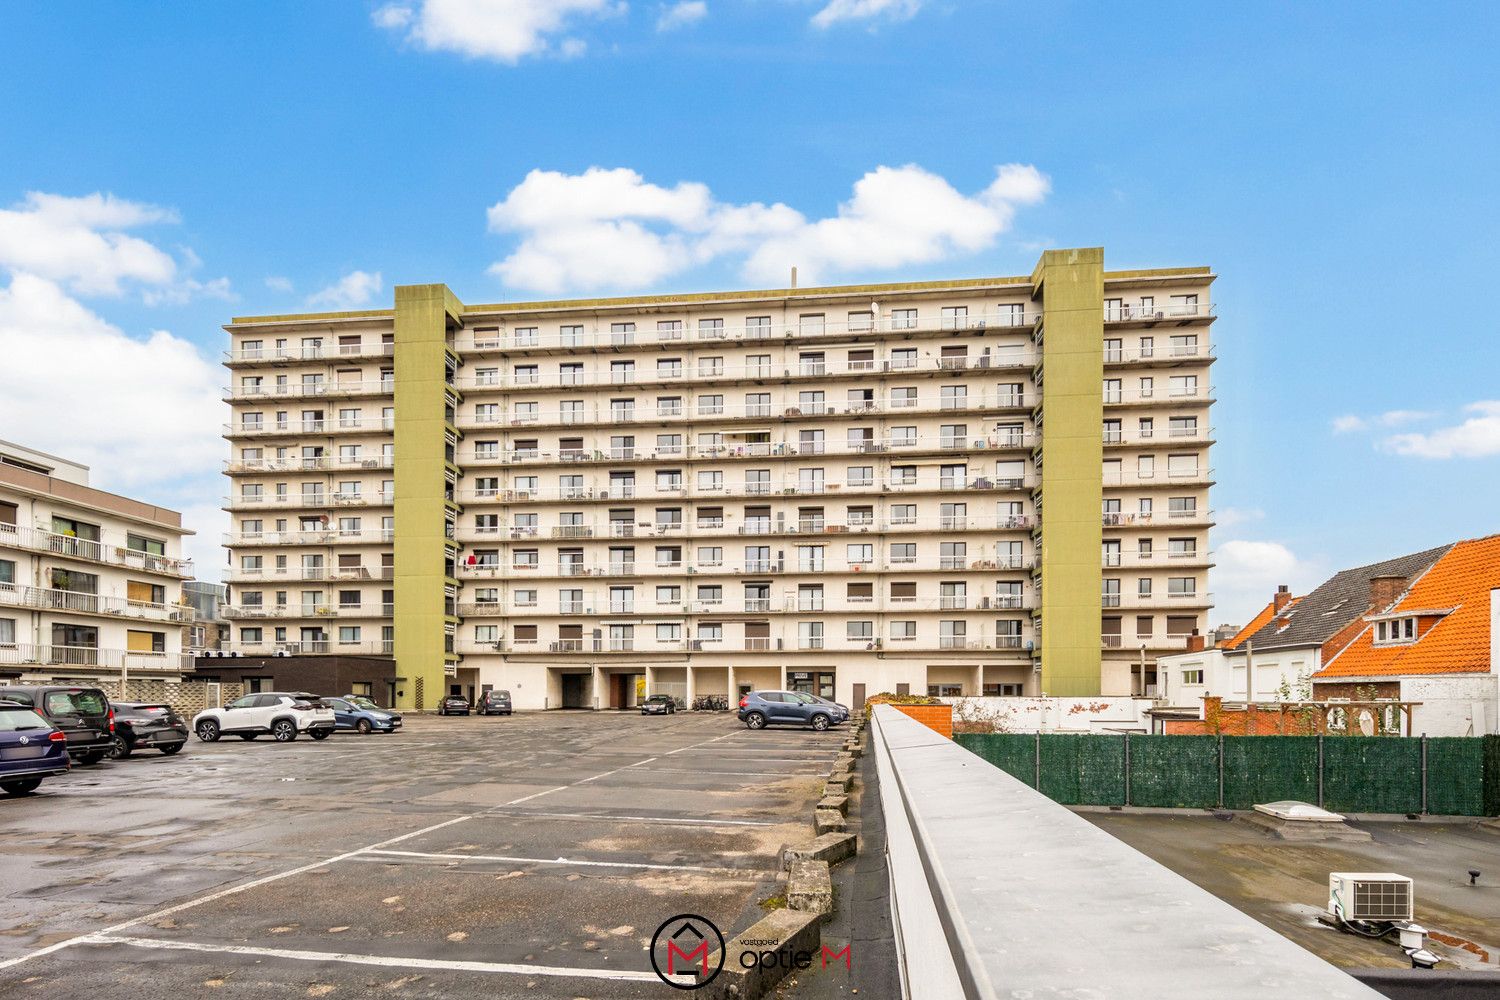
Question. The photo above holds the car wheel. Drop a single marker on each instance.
(208, 731)
(285, 730)
(25, 786)
(362, 727)
(118, 748)
(755, 721)
(820, 722)
(319, 734)
(169, 748)
(247, 737)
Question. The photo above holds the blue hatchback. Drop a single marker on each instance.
(760, 709)
(348, 714)
(31, 748)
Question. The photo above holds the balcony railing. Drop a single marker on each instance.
(329, 425)
(331, 536)
(718, 411)
(312, 501)
(310, 352)
(74, 602)
(781, 449)
(618, 491)
(40, 540)
(315, 463)
(518, 339)
(377, 647)
(311, 390)
(26, 655)
(1171, 311)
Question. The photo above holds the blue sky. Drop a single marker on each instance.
(1335, 163)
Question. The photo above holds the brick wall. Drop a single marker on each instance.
(938, 718)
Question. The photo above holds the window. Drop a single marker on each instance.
(809, 635)
(348, 634)
(1182, 586)
(669, 632)
(904, 552)
(857, 632)
(903, 631)
(1192, 676)
(903, 319)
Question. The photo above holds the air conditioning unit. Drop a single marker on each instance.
(1369, 896)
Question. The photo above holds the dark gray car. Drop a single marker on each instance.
(760, 709)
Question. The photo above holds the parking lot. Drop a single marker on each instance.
(531, 855)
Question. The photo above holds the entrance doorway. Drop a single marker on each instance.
(575, 691)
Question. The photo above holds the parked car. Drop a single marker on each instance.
(349, 714)
(659, 704)
(31, 748)
(760, 709)
(453, 705)
(82, 713)
(146, 727)
(280, 714)
(495, 702)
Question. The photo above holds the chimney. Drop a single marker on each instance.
(1283, 595)
(1195, 642)
(1384, 590)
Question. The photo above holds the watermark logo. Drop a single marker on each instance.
(687, 951)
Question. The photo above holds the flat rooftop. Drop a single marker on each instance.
(1284, 884)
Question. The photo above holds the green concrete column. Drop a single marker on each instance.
(1070, 284)
(423, 315)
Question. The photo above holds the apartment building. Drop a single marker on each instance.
(90, 582)
(991, 485)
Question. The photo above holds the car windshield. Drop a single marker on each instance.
(75, 703)
(16, 720)
(363, 702)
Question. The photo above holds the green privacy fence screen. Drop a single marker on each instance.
(1445, 776)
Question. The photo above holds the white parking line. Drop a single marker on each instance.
(569, 862)
(381, 960)
(232, 890)
(616, 818)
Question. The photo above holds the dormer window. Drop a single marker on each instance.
(1396, 630)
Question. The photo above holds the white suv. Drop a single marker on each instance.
(281, 715)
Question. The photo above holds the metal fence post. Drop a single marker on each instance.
(1221, 770)
(1037, 761)
(1127, 769)
(1320, 770)
(1424, 774)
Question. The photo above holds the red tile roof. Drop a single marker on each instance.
(1256, 624)
(1459, 643)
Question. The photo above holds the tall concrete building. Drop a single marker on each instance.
(993, 485)
(90, 582)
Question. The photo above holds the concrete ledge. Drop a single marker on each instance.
(838, 803)
(809, 887)
(773, 946)
(1032, 900)
(838, 784)
(829, 821)
(830, 847)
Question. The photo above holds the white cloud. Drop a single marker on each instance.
(865, 10)
(353, 290)
(503, 30)
(682, 14)
(1247, 573)
(141, 410)
(1228, 517)
(1476, 437)
(279, 283)
(82, 243)
(1348, 424)
(612, 228)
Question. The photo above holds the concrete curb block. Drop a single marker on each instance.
(836, 803)
(829, 821)
(809, 888)
(786, 934)
(838, 783)
(830, 847)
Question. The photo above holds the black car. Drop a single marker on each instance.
(659, 704)
(140, 726)
(494, 703)
(82, 714)
(453, 705)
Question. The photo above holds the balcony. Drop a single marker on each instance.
(1195, 476)
(1171, 313)
(313, 463)
(250, 612)
(309, 501)
(1168, 355)
(1166, 396)
(1148, 642)
(320, 352)
(595, 337)
(74, 602)
(26, 655)
(371, 647)
(327, 426)
(310, 390)
(339, 536)
(70, 547)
